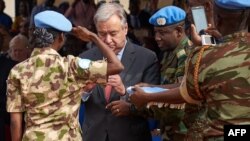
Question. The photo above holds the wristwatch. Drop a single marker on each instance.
(124, 93)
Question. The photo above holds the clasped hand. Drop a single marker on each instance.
(139, 97)
(116, 82)
(196, 38)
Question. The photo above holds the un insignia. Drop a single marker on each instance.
(161, 21)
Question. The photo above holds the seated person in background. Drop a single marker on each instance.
(18, 52)
(24, 28)
(46, 5)
(138, 21)
(63, 7)
(5, 19)
(23, 14)
(5, 37)
(79, 8)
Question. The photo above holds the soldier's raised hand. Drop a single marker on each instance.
(82, 33)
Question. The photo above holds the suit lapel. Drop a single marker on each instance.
(127, 59)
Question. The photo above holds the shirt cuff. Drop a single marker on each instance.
(86, 96)
(184, 93)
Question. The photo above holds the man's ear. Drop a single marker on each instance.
(126, 28)
(180, 30)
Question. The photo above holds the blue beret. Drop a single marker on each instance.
(167, 16)
(52, 19)
(233, 4)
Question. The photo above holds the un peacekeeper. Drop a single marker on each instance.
(215, 76)
(170, 36)
(47, 88)
(194, 114)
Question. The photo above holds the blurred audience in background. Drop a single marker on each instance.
(5, 19)
(23, 14)
(46, 5)
(81, 8)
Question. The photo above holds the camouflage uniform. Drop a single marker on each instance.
(223, 86)
(172, 71)
(48, 88)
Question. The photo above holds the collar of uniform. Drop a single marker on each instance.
(47, 50)
(181, 47)
(179, 51)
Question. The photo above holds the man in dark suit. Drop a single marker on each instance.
(117, 122)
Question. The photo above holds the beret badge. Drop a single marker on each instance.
(161, 21)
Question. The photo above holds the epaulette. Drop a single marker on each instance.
(190, 43)
(181, 53)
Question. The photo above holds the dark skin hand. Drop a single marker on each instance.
(16, 126)
(196, 38)
(119, 108)
(139, 98)
(114, 64)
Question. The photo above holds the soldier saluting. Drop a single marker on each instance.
(48, 87)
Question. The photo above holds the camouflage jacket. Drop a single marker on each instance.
(173, 63)
(223, 84)
(48, 88)
(172, 71)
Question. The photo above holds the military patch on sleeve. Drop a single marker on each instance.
(84, 63)
(98, 71)
(180, 53)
